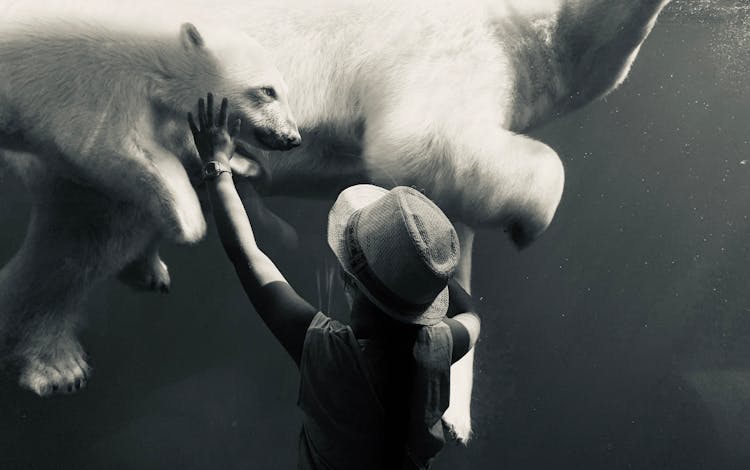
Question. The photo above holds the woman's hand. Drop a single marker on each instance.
(214, 141)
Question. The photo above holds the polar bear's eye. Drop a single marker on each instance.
(269, 92)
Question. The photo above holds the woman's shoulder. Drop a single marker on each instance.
(331, 349)
(327, 333)
(323, 323)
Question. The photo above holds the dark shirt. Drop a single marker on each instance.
(358, 411)
(343, 421)
(354, 392)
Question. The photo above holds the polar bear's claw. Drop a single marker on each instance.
(63, 372)
(149, 273)
(458, 426)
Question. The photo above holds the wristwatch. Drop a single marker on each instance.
(211, 170)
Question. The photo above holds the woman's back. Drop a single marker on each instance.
(344, 419)
(359, 402)
(392, 369)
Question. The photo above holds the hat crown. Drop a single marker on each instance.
(408, 244)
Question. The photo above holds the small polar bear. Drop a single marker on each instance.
(92, 119)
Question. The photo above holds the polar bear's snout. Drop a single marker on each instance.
(274, 124)
(278, 139)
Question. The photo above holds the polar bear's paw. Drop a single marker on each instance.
(61, 371)
(458, 425)
(149, 273)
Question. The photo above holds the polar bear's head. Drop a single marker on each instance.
(231, 64)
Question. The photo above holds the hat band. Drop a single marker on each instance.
(361, 269)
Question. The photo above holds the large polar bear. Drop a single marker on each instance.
(437, 94)
(92, 118)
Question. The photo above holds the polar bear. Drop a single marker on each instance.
(92, 118)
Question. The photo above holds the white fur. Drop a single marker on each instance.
(100, 108)
(94, 95)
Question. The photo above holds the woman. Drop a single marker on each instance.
(373, 392)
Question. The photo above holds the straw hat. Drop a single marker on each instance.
(398, 247)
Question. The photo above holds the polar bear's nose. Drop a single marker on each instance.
(293, 140)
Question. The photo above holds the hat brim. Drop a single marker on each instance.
(349, 201)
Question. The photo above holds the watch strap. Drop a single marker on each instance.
(212, 169)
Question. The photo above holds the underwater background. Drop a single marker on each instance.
(620, 339)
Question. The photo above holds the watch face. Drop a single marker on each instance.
(211, 169)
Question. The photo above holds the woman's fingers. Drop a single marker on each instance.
(206, 116)
(223, 113)
(210, 110)
(193, 127)
(202, 114)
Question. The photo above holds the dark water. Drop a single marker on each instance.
(621, 339)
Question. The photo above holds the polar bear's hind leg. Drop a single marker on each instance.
(44, 286)
(53, 363)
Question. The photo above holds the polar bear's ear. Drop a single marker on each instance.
(190, 36)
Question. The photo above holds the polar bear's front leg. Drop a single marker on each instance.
(458, 415)
(152, 178)
(183, 208)
(475, 172)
